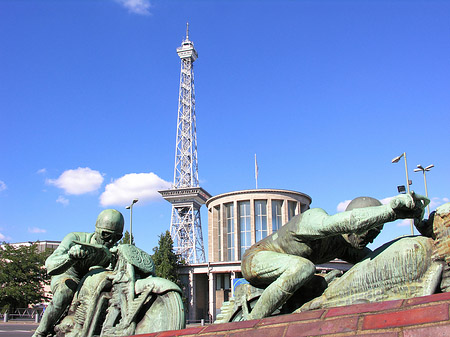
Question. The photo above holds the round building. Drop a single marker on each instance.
(236, 220)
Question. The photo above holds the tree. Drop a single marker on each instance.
(126, 238)
(166, 261)
(22, 275)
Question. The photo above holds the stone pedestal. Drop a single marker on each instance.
(421, 316)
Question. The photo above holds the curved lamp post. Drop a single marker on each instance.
(428, 168)
(130, 207)
(396, 160)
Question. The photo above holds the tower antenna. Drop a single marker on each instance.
(186, 196)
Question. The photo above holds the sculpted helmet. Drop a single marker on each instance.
(110, 220)
(362, 202)
(361, 240)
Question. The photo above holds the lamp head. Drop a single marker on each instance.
(396, 159)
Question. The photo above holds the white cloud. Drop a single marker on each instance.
(36, 230)
(141, 7)
(42, 171)
(79, 181)
(2, 237)
(342, 205)
(435, 202)
(404, 223)
(144, 186)
(62, 200)
(386, 201)
(2, 186)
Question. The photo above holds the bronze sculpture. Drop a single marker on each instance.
(103, 289)
(70, 262)
(283, 264)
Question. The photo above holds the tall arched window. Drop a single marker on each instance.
(229, 209)
(219, 231)
(277, 219)
(244, 226)
(260, 219)
(292, 206)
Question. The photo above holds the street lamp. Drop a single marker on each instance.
(420, 168)
(131, 219)
(396, 160)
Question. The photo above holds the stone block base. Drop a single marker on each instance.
(421, 316)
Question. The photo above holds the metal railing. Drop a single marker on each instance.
(201, 322)
(22, 314)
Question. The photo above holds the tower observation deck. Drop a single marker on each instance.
(186, 196)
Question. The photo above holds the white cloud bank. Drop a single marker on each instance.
(141, 7)
(79, 181)
(62, 200)
(144, 186)
(2, 237)
(386, 201)
(36, 230)
(2, 186)
(435, 202)
(404, 223)
(342, 205)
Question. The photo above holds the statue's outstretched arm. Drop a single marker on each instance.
(358, 220)
(362, 219)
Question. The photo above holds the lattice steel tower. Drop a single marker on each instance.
(186, 195)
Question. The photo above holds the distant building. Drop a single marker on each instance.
(41, 246)
(236, 220)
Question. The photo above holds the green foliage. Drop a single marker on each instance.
(22, 275)
(166, 261)
(126, 238)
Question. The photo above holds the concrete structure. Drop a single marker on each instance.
(237, 220)
(41, 245)
(420, 316)
(208, 285)
(186, 196)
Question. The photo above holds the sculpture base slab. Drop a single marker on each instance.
(421, 316)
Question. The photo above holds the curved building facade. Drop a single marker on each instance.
(236, 220)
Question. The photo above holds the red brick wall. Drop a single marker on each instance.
(423, 316)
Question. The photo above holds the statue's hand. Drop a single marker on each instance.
(114, 250)
(78, 252)
(419, 210)
(409, 206)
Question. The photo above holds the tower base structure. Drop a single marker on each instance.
(185, 226)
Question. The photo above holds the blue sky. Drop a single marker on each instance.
(326, 93)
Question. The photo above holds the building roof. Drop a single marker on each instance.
(259, 190)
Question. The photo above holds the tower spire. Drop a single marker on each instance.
(186, 195)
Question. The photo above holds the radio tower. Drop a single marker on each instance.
(186, 196)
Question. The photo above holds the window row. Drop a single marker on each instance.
(244, 223)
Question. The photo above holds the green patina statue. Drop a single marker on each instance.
(283, 264)
(407, 267)
(101, 289)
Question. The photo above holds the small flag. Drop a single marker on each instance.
(256, 171)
